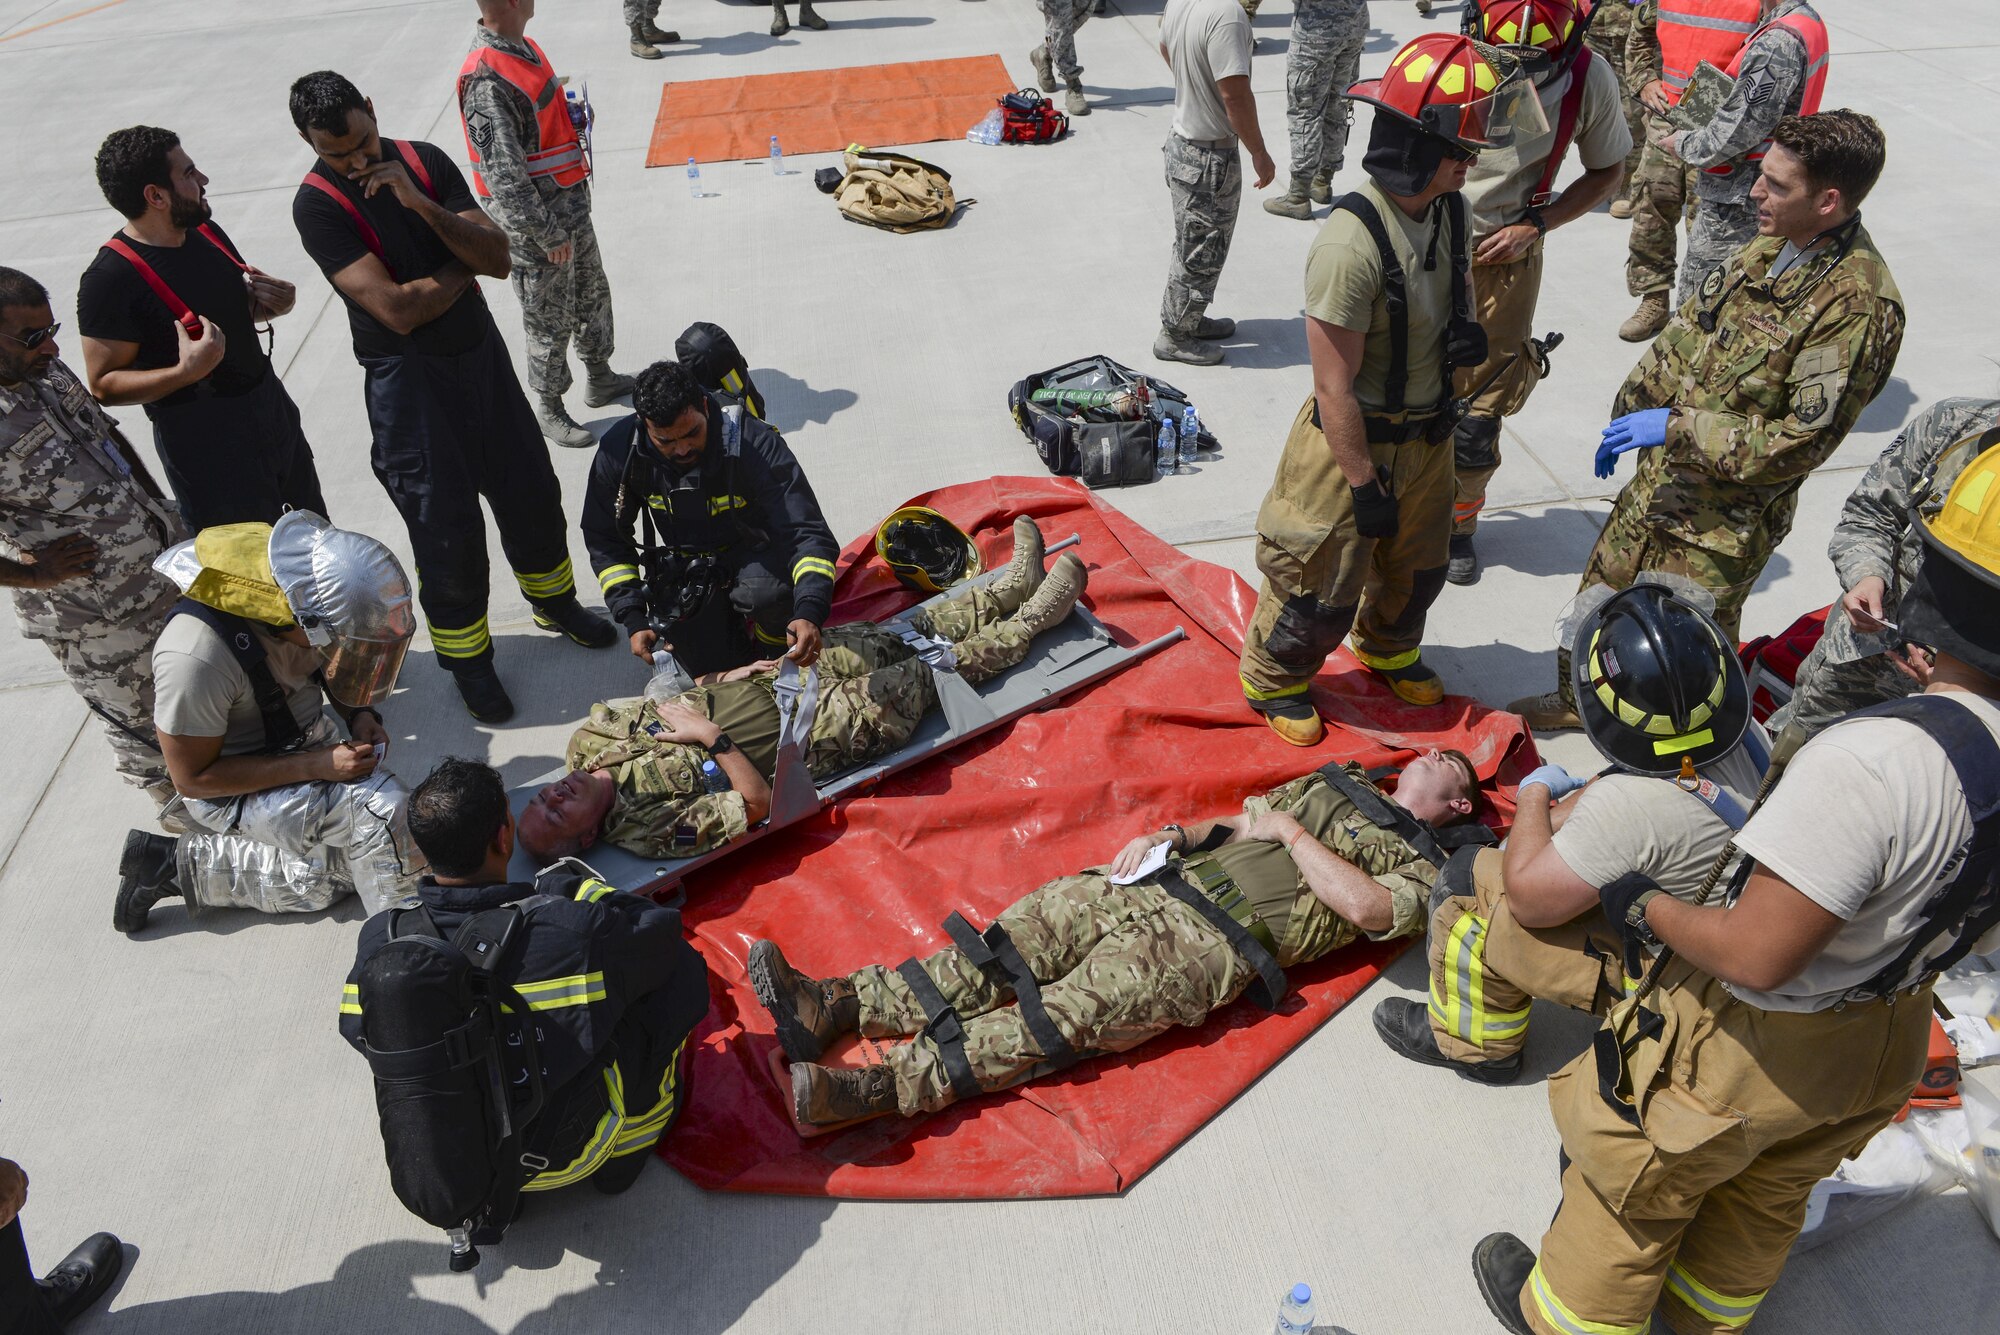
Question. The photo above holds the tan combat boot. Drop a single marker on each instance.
(1045, 74)
(642, 46)
(1623, 207)
(811, 1013)
(808, 18)
(1053, 601)
(653, 32)
(1296, 202)
(560, 428)
(827, 1095)
(1546, 713)
(1073, 101)
(1649, 319)
(1024, 572)
(1321, 189)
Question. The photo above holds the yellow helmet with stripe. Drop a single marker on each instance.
(1954, 604)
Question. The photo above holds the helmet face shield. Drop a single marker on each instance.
(1471, 95)
(352, 600)
(361, 672)
(1512, 113)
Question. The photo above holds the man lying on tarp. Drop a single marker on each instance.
(1180, 924)
(678, 777)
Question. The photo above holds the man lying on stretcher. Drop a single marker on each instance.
(677, 778)
(1092, 966)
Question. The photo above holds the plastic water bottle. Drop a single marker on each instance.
(988, 129)
(694, 178)
(777, 158)
(669, 678)
(1167, 457)
(1190, 436)
(1295, 1313)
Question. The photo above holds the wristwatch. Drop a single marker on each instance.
(1636, 926)
(721, 746)
(1177, 835)
(1533, 217)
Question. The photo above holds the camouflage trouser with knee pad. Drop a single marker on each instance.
(1117, 964)
(1322, 578)
(1487, 969)
(1505, 296)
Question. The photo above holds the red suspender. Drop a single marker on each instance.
(117, 245)
(1572, 107)
(369, 236)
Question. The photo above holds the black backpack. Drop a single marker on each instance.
(457, 1081)
(712, 358)
(1099, 445)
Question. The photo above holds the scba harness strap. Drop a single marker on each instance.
(1433, 845)
(1396, 288)
(282, 732)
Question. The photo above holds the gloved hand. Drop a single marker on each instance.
(1465, 343)
(1559, 781)
(1618, 898)
(1634, 431)
(1374, 511)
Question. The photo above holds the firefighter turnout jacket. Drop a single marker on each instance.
(613, 990)
(750, 497)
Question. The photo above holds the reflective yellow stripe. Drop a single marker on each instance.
(1259, 693)
(722, 504)
(1390, 664)
(611, 577)
(593, 1154)
(547, 583)
(1568, 1322)
(350, 1000)
(549, 994)
(1460, 1007)
(811, 565)
(590, 891)
(1732, 1312)
(461, 641)
(641, 1134)
(765, 636)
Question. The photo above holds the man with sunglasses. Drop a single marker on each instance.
(81, 523)
(1754, 383)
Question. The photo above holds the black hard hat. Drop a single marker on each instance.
(925, 550)
(1656, 682)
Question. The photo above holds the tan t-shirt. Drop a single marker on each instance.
(1502, 182)
(1627, 823)
(200, 691)
(1344, 287)
(1207, 41)
(1868, 823)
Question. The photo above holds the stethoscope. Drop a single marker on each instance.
(1791, 287)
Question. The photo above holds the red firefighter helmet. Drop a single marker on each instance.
(1467, 93)
(1543, 34)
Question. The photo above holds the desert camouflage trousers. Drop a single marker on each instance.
(1662, 194)
(1206, 186)
(111, 667)
(1323, 63)
(1487, 969)
(1117, 964)
(1063, 18)
(561, 304)
(299, 848)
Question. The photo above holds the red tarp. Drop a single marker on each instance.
(871, 879)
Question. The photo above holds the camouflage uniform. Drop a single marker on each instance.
(1121, 964)
(873, 692)
(1609, 33)
(1662, 187)
(641, 11)
(1323, 63)
(1063, 18)
(60, 475)
(1848, 670)
(1770, 86)
(1206, 186)
(559, 302)
(1758, 404)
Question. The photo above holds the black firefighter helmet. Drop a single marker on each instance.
(925, 550)
(1657, 682)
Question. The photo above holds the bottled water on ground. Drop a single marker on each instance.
(694, 180)
(669, 677)
(1167, 458)
(777, 158)
(1190, 435)
(988, 129)
(1295, 1314)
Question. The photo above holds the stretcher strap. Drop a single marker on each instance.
(942, 1027)
(798, 703)
(936, 652)
(1271, 984)
(994, 951)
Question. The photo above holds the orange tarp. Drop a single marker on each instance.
(819, 111)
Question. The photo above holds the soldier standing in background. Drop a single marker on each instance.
(1752, 386)
(82, 525)
(1609, 34)
(639, 16)
(530, 172)
(1323, 62)
(1057, 53)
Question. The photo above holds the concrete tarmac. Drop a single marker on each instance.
(187, 1089)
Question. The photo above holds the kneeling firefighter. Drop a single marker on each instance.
(728, 524)
(522, 1037)
(277, 622)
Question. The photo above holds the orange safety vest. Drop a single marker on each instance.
(1806, 26)
(1692, 31)
(560, 156)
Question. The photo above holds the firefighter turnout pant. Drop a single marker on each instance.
(1690, 1195)
(1506, 296)
(449, 430)
(298, 848)
(1487, 969)
(1322, 578)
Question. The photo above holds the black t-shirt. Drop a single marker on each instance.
(113, 302)
(410, 249)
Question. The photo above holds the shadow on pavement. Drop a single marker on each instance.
(793, 403)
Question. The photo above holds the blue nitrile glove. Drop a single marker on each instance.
(1559, 781)
(1634, 431)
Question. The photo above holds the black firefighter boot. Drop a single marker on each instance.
(479, 686)
(1405, 1025)
(1502, 1263)
(146, 875)
(828, 1095)
(573, 619)
(810, 1013)
(82, 1277)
